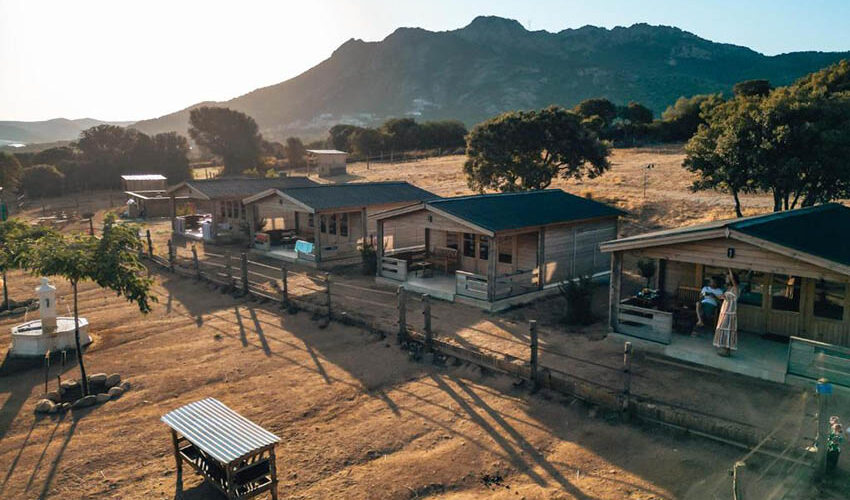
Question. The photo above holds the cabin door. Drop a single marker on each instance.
(785, 305)
(475, 251)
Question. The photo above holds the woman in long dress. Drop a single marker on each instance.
(726, 334)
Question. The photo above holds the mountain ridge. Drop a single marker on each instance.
(494, 65)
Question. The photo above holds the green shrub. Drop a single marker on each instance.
(579, 296)
(370, 260)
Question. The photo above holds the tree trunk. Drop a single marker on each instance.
(777, 201)
(738, 212)
(84, 381)
(5, 292)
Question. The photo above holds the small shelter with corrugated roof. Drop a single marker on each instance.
(325, 224)
(234, 454)
(794, 273)
(494, 250)
(215, 210)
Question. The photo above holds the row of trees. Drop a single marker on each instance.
(111, 261)
(398, 134)
(792, 142)
(95, 161)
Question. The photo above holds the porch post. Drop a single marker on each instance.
(614, 293)
(250, 216)
(491, 269)
(427, 242)
(172, 210)
(379, 248)
(364, 228)
(317, 239)
(541, 255)
(214, 223)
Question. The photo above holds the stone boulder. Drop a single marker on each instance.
(102, 398)
(69, 385)
(115, 392)
(85, 402)
(54, 396)
(45, 406)
(125, 385)
(113, 380)
(97, 378)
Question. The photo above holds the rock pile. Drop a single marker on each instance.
(102, 388)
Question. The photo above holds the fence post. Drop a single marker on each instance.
(401, 295)
(627, 376)
(170, 256)
(426, 311)
(150, 242)
(328, 293)
(284, 276)
(245, 289)
(196, 263)
(824, 391)
(228, 269)
(532, 332)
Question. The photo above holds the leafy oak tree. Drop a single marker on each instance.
(10, 171)
(15, 237)
(229, 134)
(295, 152)
(525, 150)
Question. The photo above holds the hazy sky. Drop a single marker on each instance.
(130, 59)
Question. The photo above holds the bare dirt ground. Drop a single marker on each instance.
(356, 418)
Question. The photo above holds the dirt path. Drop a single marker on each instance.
(356, 418)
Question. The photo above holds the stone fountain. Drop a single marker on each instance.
(50, 333)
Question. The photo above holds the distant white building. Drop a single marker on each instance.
(144, 182)
(328, 162)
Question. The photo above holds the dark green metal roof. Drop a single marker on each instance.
(822, 230)
(505, 211)
(331, 196)
(242, 187)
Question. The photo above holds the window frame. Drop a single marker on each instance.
(841, 305)
(796, 289)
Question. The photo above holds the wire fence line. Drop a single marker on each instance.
(408, 316)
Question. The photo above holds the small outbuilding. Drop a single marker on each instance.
(215, 212)
(327, 162)
(494, 250)
(793, 309)
(325, 224)
(144, 182)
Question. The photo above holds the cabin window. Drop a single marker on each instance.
(506, 250)
(311, 221)
(829, 299)
(323, 223)
(785, 293)
(343, 225)
(484, 248)
(468, 245)
(221, 204)
(451, 240)
(332, 224)
(752, 285)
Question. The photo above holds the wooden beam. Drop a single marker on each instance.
(493, 250)
(317, 237)
(364, 228)
(614, 292)
(541, 258)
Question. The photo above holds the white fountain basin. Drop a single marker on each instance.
(29, 340)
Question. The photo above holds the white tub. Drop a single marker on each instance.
(28, 339)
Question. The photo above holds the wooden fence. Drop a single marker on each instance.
(408, 317)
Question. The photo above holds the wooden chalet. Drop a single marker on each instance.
(326, 224)
(216, 213)
(232, 453)
(493, 250)
(794, 271)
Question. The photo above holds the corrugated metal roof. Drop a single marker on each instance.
(217, 430)
(330, 196)
(242, 187)
(504, 211)
(143, 177)
(327, 152)
(822, 230)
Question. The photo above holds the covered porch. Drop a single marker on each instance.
(453, 261)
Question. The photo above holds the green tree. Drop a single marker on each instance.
(111, 261)
(524, 150)
(402, 134)
(597, 106)
(16, 236)
(10, 171)
(229, 134)
(41, 181)
(171, 156)
(295, 152)
(635, 113)
(684, 117)
(340, 136)
(751, 88)
(366, 141)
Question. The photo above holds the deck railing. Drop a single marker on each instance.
(511, 285)
(394, 269)
(471, 285)
(646, 323)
